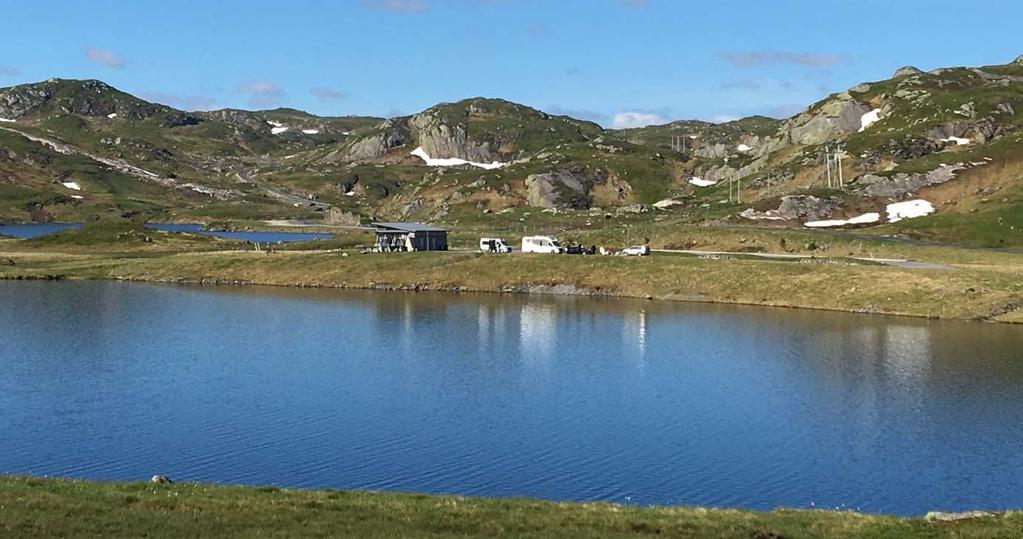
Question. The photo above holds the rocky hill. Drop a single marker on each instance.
(879, 156)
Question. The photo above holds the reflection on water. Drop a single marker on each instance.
(563, 398)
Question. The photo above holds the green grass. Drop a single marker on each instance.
(36, 507)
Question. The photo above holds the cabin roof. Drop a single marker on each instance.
(406, 227)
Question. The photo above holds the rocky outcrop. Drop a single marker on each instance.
(442, 140)
(337, 216)
(902, 184)
(560, 189)
(908, 148)
(806, 207)
(906, 71)
(839, 116)
(391, 134)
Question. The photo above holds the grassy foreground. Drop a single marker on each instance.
(35, 507)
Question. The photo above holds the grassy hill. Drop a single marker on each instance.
(953, 137)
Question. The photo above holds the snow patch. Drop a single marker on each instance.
(112, 115)
(908, 210)
(959, 141)
(452, 162)
(700, 182)
(869, 119)
(744, 148)
(311, 131)
(278, 130)
(865, 219)
(8, 120)
(77, 197)
(666, 203)
(72, 185)
(272, 123)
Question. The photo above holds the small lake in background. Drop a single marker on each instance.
(553, 397)
(33, 230)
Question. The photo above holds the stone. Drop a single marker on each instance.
(337, 216)
(938, 516)
(902, 184)
(160, 479)
(557, 189)
(806, 207)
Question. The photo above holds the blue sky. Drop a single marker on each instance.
(612, 61)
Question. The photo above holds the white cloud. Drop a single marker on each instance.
(262, 93)
(626, 120)
(324, 93)
(104, 57)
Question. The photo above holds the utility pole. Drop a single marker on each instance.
(827, 165)
(838, 157)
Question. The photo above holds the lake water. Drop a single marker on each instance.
(558, 398)
(32, 230)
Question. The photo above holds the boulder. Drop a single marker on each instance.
(337, 216)
(806, 207)
(557, 189)
(160, 479)
(899, 185)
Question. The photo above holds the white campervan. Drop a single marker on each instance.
(541, 244)
(494, 245)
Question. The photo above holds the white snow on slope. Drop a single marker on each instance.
(311, 131)
(700, 182)
(744, 148)
(865, 219)
(112, 115)
(869, 119)
(272, 123)
(72, 185)
(278, 130)
(77, 197)
(959, 141)
(8, 120)
(908, 210)
(452, 162)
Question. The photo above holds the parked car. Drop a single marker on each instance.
(494, 245)
(541, 244)
(636, 250)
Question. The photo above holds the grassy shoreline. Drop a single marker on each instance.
(47, 507)
(970, 284)
(963, 293)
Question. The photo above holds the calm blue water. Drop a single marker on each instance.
(559, 398)
(33, 230)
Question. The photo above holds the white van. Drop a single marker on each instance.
(494, 245)
(541, 244)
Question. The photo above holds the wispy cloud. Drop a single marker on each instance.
(817, 60)
(183, 102)
(104, 57)
(741, 85)
(262, 93)
(326, 94)
(626, 120)
(406, 6)
(9, 71)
